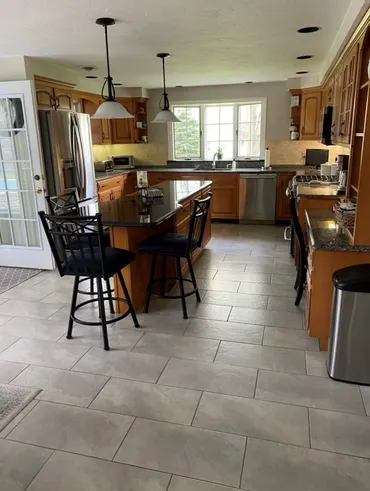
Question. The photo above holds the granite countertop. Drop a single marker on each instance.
(318, 191)
(135, 210)
(324, 234)
(240, 170)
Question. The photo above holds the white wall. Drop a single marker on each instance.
(12, 68)
(278, 105)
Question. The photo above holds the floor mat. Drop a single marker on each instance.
(12, 400)
(11, 277)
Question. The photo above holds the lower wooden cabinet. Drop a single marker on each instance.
(282, 202)
(116, 187)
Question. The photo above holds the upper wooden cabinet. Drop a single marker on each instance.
(90, 106)
(347, 94)
(123, 129)
(51, 94)
(310, 114)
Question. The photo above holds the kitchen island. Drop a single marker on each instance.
(138, 216)
(330, 249)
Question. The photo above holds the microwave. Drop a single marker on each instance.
(123, 162)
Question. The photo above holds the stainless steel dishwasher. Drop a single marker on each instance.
(257, 197)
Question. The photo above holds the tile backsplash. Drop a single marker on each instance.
(282, 151)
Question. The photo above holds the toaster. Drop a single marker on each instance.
(103, 166)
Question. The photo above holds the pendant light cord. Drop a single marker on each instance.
(108, 79)
(164, 98)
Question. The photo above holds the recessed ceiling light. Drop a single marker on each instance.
(301, 73)
(88, 68)
(304, 57)
(91, 76)
(249, 82)
(118, 83)
(309, 29)
(178, 86)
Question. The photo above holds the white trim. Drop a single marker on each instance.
(202, 104)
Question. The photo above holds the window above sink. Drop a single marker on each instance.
(232, 129)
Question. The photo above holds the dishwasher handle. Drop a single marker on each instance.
(259, 176)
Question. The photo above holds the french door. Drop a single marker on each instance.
(22, 242)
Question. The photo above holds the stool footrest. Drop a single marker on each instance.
(111, 321)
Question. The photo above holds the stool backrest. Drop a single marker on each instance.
(296, 225)
(198, 222)
(77, 243)
(65, 204)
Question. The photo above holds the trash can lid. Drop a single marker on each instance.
(353, 279)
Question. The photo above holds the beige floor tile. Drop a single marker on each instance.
(340, 433)
(211, 377)
(122, 364)
(152, 322)
(9, 370)
(35, 310)
(243, 258)
(34, 328)
(314, 392)
(184, 484)
(283, 279)
(226, 331)
(205, 274)
(260, 419)
(20, 464)
(73, 429)
(190, 452)
(210, 312)
(44, 353)
(271, 269)
(62, 297)
(220, 285)
(87, 314)
(289, 338)
(67, 472)
(177, 347)
(243, 276)
(236, 299)
(25, 293)
(6, 341)
(149, 401)
(265, 357)
(77, 389)
(275, 466)
(119, 338)
(267, 318)
(14, 422)
(285, 305)
(270, 290)
(316, 364)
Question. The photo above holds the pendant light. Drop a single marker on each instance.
(110, 108)
(164, 115)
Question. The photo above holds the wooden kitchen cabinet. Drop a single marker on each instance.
(90, 107)
(116, 187)
(225, 189)
(347, 95)
(310, 114)
(282, 203)
(51, 94)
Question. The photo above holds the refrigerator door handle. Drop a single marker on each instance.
(77, 157)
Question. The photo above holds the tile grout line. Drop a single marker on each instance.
(20, 373)
(196, 410)
(169, 483)
(99, 391)
(309, 427)
(243, 462)
(80, 358)
(123, 439)
(20, 421)
(255, 386)
(164, 368)
(216, 353)
(47, 460)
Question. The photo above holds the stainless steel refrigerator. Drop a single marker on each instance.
(67, 151)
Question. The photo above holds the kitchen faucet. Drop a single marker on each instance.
(214, 161)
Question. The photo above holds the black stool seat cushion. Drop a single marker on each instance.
(84, 264)
(166, 244)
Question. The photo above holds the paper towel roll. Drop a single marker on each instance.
(267, 158)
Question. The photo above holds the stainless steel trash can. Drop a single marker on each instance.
(349, 346)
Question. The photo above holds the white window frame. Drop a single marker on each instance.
(202, 104)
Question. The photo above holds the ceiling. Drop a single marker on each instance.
(211, 41)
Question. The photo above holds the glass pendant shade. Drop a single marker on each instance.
(165, 116)
(111, 110)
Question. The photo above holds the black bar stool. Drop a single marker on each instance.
(177, 246)
(67, 204)
(78, 247)
(302, 250)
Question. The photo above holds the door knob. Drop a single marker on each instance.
(38, 190)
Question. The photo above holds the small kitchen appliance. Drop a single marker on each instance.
(103, 166)
(123, 162)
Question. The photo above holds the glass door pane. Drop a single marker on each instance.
(18, 208)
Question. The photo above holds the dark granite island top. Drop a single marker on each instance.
(138, 210)
(324, 234)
